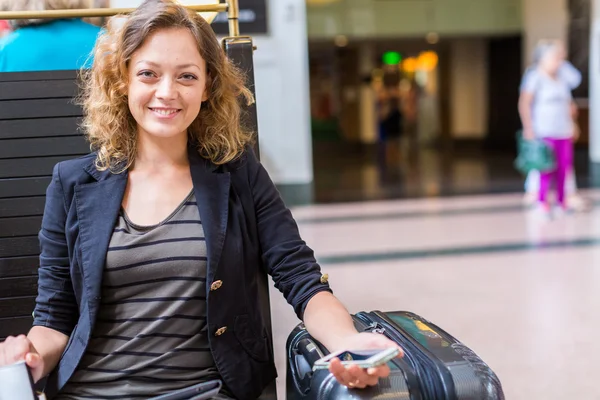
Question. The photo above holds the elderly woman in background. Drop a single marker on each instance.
(48, 44)
(548, 113)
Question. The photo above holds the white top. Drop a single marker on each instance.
(551, 109)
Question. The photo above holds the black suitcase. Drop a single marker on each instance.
(435, 366)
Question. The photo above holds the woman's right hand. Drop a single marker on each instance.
(20, 348)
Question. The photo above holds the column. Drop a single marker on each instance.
(282, 94)
(594, 104)
(368, 117)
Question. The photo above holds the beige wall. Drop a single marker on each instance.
(543, 19)
(468, 88)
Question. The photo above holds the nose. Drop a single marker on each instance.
(166, 89)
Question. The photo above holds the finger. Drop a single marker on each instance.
(4, 349)
(339, 372)
(383, 371)
(383, 342)
(372, 381)
(389, 343)
(359, 376)
(18, 348)
(33, 360)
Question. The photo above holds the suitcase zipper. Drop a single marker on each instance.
(376, 327)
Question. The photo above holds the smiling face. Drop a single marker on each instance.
(167, 83)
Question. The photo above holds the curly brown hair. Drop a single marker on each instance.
(108, 123)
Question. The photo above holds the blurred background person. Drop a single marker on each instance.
(48, 44)
(390, 122)
(410, 114)
(546, 111)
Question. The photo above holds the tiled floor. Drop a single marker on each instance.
(523, 293)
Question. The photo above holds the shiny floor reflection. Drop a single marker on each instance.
(345, 172)
(520, 291)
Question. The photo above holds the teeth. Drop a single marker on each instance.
(164, 112)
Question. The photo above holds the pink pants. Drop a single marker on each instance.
(563, 153)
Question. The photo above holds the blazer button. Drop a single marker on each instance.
(324, 278)
(220, 331)
(216, 285)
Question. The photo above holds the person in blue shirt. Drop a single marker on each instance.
(44, 45)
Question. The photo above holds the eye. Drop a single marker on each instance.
(146, 74)
(189, 77)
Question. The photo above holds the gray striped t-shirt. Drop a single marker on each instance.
(150, 336)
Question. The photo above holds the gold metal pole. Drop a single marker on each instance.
(233, 14)
(105, 12)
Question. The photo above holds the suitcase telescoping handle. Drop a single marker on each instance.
(305, 354)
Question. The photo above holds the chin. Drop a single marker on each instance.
(165, 133)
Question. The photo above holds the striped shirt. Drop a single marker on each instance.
(150, 336)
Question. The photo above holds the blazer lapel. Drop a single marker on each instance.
(212, 194)
(98, 204)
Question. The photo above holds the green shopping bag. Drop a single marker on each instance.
(534, 155)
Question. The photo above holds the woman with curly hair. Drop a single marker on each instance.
(152, 245)
(46, 44)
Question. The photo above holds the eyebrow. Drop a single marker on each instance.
(180, 66)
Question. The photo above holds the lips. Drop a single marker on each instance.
(165, 112)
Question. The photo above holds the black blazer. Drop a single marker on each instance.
(248, 230)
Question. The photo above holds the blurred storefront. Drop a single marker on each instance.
(435, 54)
(481, 49)
(456, 66)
